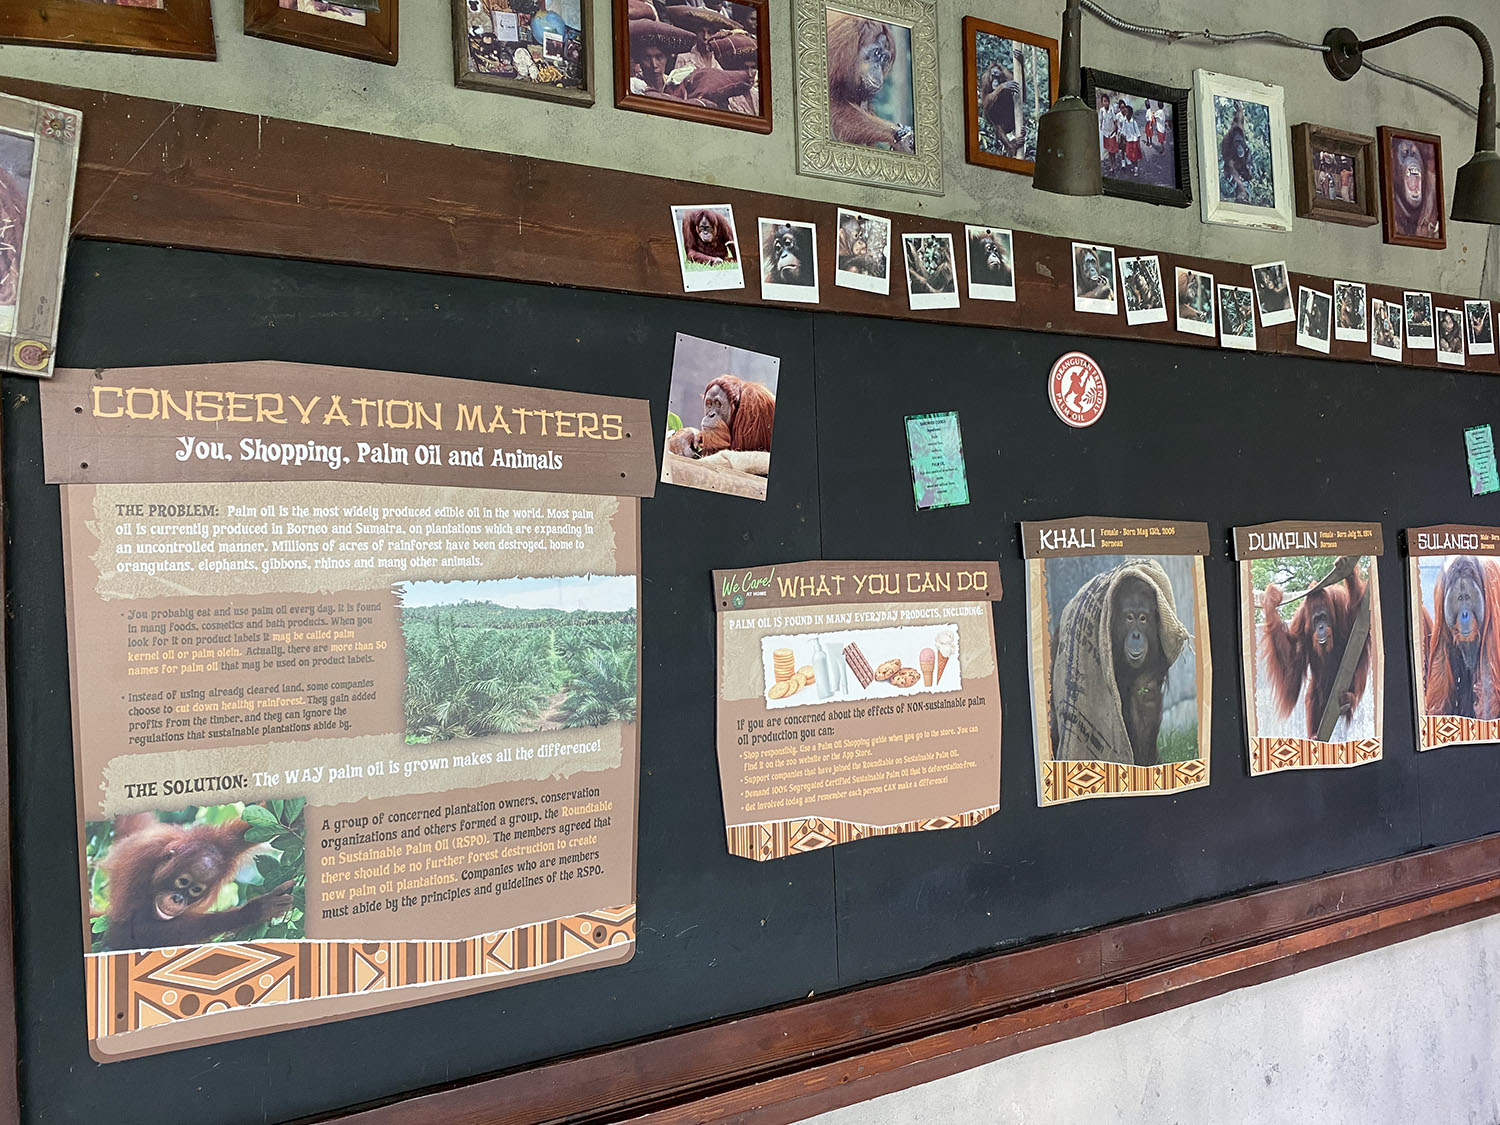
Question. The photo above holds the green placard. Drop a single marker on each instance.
(936, 450)
(1480, 443)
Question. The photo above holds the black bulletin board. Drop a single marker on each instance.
(1188, 434)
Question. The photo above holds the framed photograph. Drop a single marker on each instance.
(867, 92)
(1195, 302)
(1010, 80)
(38, 166)
(340, 29)
(1237, 317)
(1419, 332)
(862, 253)
(1481, 327)
(1143, 138)
(1244, 157)
(1336, 175)
(1314, 314)
(931, 274)
(1094, 279)
(1411, 186)
(1273, 294)
(708, 248)
(1145, 301)
(1450, 336)
(1349, 311)
(1385, 329)
(992, 263)
(182, 29)
(536, 50)
(707, 62)
(788, 261)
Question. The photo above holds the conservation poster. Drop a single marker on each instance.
(1453, 575)
(1312, 657)
(354, 675)
(856, 699)
(1121, 681)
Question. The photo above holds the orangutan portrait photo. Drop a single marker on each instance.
(1455, 633)
(1411, 181)
(871, 98)
(721, 411)
(708, 248)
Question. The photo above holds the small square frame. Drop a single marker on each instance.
(1364, 211)
(1393, 237)
(373, 41)
(1177, 97)
(672, 107)
(465, 76)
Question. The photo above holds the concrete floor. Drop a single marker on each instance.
(1410, 1033)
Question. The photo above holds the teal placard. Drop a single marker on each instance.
(1480, 443)
(936, 449)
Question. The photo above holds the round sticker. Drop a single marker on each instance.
(1076, 389)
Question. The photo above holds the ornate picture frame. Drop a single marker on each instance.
(373, 36)
(1256, 189)
(720, 38)
(1026, 104)
(525, 63)
(871, 149)
(1337, 178)
(1175, 98)
(1398, 224)
(181, 29)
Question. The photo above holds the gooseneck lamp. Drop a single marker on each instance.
(1067, 136)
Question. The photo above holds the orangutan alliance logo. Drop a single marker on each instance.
(1076, 389)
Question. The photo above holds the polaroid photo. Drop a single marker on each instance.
(1195, 302)
(862, 258)
(1314, 319)
(992, 264)
(1450, 336)
(1419, 329)
(788, 261)
(1385, 330)
(1481, 327)
(507, 28)
(729, 450)
(1094, 279)
(1140, 280)
(1237, 317)
(708, 248)
(931, 273)
(1273, 294)
(1349, 299)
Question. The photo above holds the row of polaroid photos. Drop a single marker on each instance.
(708, 250)
(1320, 317)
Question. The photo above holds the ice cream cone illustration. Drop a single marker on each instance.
(944, 643)
(926, 660)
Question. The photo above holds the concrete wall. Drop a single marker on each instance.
(1403, 1034)
(418, 99)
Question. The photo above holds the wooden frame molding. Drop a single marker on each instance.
(152, 172)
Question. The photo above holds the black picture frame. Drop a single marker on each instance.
(1177, 98)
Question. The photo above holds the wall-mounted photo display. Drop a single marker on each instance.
(366, 30)
(862, 252)
(38, 167)
(1314, 319)
(708, 247)
(1349, 302)
(1010, 80)
(1420, 333)
(992, 263)
(1453, 575)
(1273, 294)
(1140, 280)
(721, 416)
(1411, 184)
(181, 29)
(1337, 179)
(867, 92)
(1195, 302)
(931, 273)
(1237, 317)
(1244, 159)
(1450, 336)
(1385, 329)
(856, 699)
(536, 49)
(1143, 138)
(1094, 279)
(788, 261)
(700, 62)
(1121, 678)
(1312, 656)
(1481, 327)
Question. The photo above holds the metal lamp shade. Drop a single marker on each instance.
(1476, 191)
(1067, 142)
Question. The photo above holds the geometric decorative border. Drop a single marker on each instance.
(1453, 730)
(1067, 781)
(130, 991)
(778, 838)
(1268, 755)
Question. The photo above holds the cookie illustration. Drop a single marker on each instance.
(906, 677)
(806, 672)
(888, 669)
(782, 688)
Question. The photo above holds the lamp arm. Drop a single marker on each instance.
(1485, 134)
(1071, 82)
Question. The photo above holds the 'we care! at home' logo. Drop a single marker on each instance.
(738, 587)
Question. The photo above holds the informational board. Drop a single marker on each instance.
(354, 664)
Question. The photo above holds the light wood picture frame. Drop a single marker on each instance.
(1000, 124)
(182, 29)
